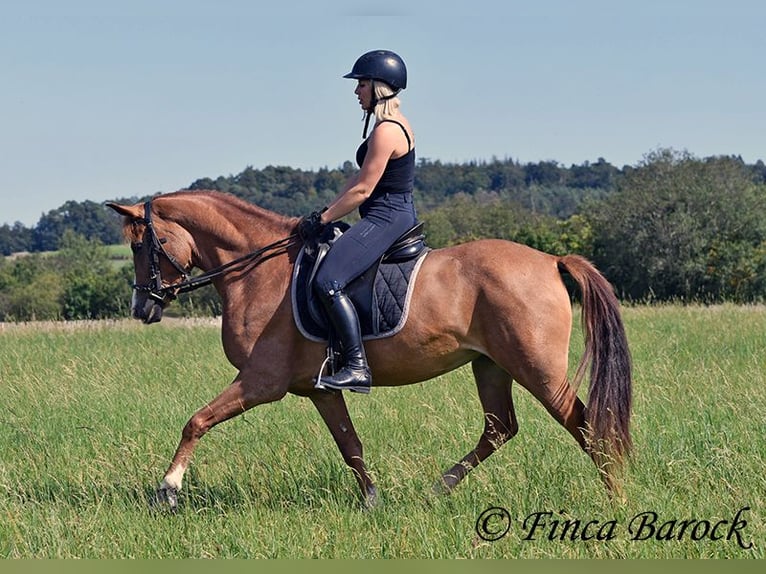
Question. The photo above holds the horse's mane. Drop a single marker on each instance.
(237, 214)
(223, 199)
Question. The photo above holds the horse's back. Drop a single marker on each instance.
(495, 267)
(470, 294)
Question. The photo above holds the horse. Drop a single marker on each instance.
(501, 306)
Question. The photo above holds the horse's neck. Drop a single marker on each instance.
(223, 231)
(235, 233)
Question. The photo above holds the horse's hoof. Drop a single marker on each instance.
(443, 486)
(167, 496)
(371, 498)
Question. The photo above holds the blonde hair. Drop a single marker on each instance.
(387, 106)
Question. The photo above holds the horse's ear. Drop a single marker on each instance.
(133, 211)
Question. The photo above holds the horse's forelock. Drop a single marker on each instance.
(130, 231)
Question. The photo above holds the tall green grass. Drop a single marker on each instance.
(90, 415)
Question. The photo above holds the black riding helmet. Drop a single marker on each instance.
(383, 66)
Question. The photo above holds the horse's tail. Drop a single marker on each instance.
(608, 411)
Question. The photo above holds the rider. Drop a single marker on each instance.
(382, 191)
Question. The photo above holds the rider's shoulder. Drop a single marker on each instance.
(392, 132)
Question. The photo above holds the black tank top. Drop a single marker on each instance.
(399, 175)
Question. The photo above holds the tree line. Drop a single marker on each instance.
(672, 228)
(557, 190)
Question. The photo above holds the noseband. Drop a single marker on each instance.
(159, 292)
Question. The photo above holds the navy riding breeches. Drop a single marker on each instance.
(384, 220)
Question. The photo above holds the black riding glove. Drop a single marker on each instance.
(311, 226)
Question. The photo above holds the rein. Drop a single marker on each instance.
(157, 291)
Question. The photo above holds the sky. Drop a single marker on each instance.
(106, 99)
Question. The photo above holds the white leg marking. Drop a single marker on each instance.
(174, 478)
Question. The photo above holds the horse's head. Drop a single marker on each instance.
(162, 256)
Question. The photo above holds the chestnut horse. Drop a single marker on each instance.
(501, 306)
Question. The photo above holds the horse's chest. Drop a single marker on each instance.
(238, 341)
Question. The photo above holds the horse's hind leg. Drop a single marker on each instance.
(500, 424)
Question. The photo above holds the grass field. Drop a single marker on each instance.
(90, 415)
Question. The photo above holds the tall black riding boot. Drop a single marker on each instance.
(355, 374)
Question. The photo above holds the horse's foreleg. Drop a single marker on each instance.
(500, 424)
(234, 400)
(332, 408)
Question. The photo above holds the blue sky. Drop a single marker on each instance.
(106, 99)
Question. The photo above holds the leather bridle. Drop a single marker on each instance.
(155, 289)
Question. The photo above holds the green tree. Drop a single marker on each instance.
(14, 239)
(92, 288)
(87, 218)
(203, 302)
(680, 228)
(29, 289)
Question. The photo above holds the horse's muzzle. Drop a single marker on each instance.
(149, 312)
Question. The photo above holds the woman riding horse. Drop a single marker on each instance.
(382, 191)
(508, 314)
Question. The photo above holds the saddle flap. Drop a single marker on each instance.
(381, 296)
(315, 256)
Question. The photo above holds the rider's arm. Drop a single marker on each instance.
(360, 186)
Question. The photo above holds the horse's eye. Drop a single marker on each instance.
(136, 247)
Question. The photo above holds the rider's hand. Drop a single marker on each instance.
(311, 227)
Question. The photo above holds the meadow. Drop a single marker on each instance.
(90, 414)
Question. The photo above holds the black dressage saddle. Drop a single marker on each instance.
(381, 294)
